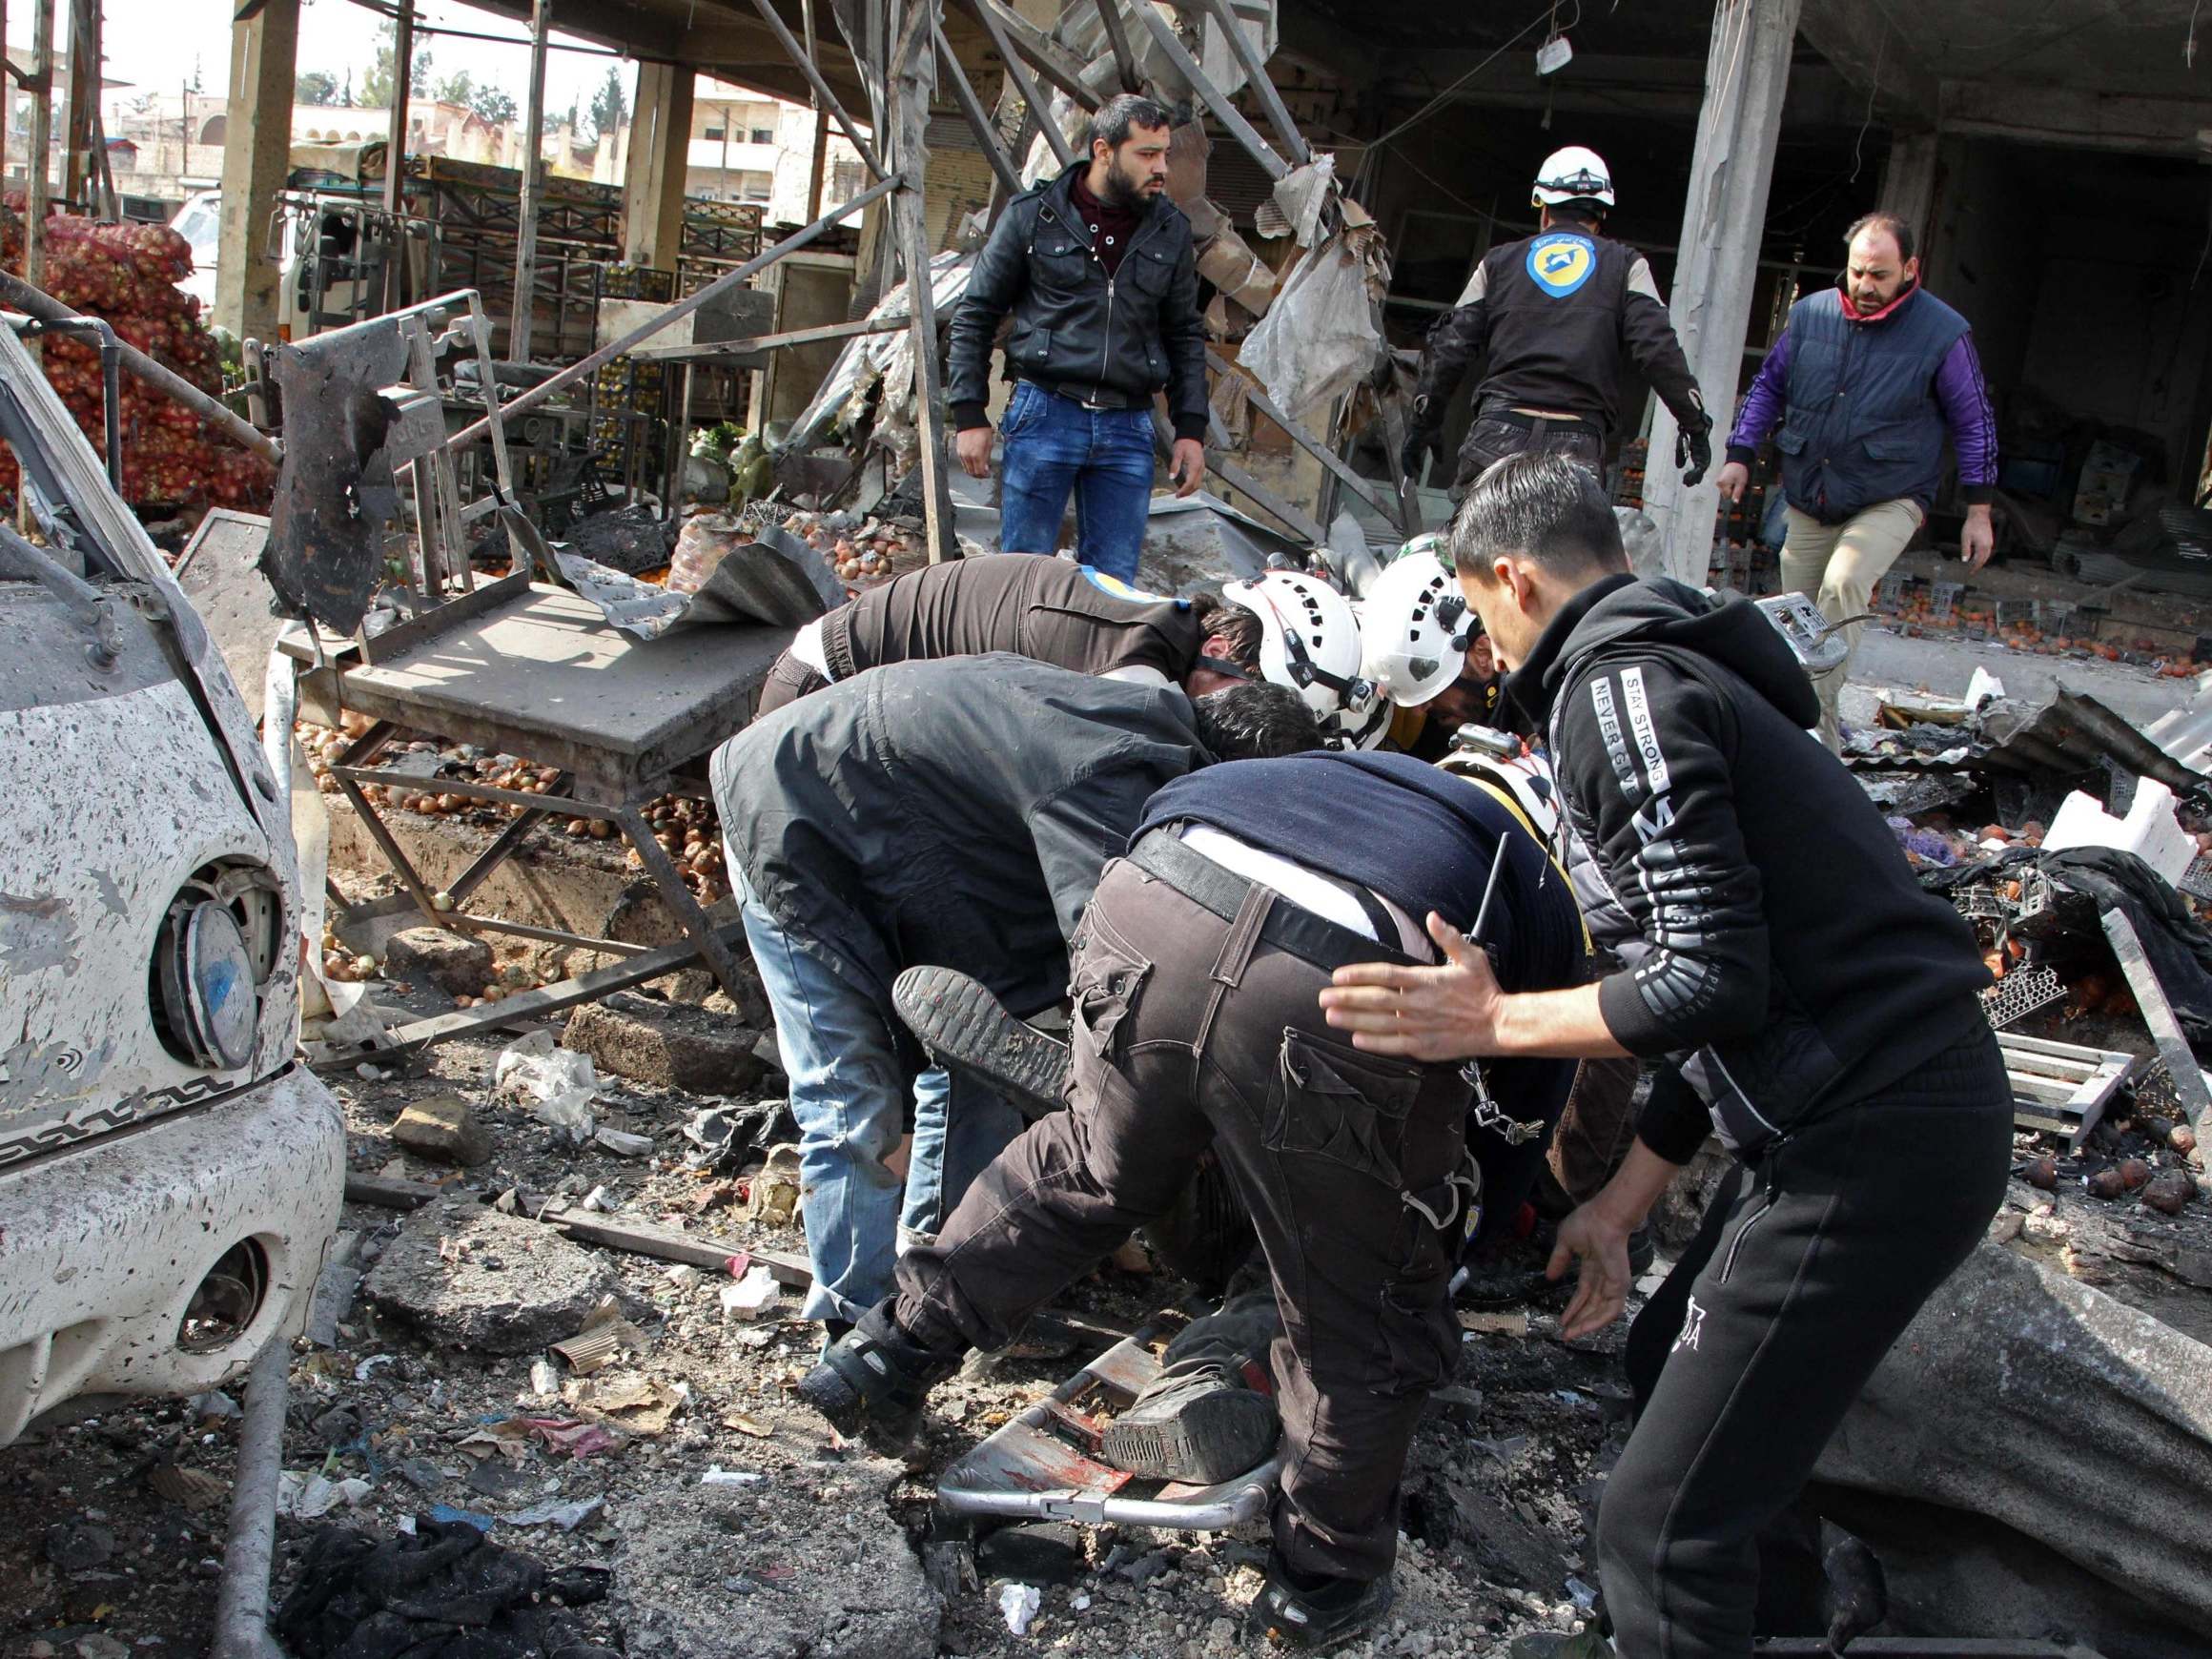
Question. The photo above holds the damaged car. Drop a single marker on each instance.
(169, 1176)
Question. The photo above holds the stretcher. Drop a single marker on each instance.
(1043, 1465)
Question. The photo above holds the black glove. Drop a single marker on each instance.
(1420, 440)
(1693, 452)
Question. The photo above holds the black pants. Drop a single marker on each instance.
(788, 680)
(1491, 437)
(1194, 1032)
(1764, 1334)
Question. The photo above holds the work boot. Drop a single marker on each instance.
(872, 1383)
(967, 1032)
(1209, 1416)
(1316, 1612)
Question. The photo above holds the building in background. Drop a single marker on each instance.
(747, 148)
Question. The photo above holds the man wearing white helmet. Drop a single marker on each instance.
(1555, 314)
(1310, 641)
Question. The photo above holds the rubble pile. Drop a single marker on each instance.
(126, 275)
(1919, 609)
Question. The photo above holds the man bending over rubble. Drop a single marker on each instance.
(1033, 604)
(1197, 1026)
(1809, 1001)
(954, 812)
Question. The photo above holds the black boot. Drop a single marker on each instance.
(872, 1383)
(1316, 1612)
(1209, 1416)
(968, 1033)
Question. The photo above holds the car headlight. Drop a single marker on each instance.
(210, 1004)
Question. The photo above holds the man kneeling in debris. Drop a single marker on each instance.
(957, 812)
(1033, 604)
(1197, 1027)
(1807, 997)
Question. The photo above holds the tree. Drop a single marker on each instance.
(610, 104)
(377, 86)
(316, 86)
(493, 104)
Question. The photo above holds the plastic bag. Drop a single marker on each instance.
(559, 1083)
(1318, 338)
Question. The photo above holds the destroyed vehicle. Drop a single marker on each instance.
(168, 1176)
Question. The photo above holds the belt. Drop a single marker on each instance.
(1114, 403)
(1310, 938)
(1537, 422)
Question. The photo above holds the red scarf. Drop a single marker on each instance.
(1110, 226)
(1852, 313)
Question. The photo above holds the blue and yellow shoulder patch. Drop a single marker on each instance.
(1120, 589)
(1562, 262)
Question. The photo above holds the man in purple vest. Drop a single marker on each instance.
(1864, 383)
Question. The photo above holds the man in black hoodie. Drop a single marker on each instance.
(1804, 996)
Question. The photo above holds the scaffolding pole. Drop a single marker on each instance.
(913, 70)
(527, 227)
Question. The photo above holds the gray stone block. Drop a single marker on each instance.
(468, 1277)
(669, 1045)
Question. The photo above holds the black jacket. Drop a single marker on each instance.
(1779, 950)
(954, 812)
(1076, 330)
(1555, 313)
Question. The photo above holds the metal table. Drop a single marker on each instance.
(523, 668)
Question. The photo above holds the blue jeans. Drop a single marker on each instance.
(848, 1095)
(1054, 444)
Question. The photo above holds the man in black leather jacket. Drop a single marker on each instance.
(1097, 270)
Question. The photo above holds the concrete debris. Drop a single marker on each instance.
(79, 1548)
(2012, 1370)
(469, 1277)
(752, 1296)
(444, 1127)
(455, 963)
(622, 1144)
(565, 1516)
(667, 1045)
(865, 1598)
(1018, 1606)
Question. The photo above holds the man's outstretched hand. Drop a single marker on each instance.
(1601, 1244)
(1423, 1014)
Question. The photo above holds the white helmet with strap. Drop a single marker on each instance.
(1526, 777)
(1309, 641)
(1414, 625)
(1573, 174)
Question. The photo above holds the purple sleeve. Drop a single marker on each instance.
(1966, 410)
(1763, 404)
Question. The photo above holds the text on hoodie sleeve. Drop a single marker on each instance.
(1645, 750)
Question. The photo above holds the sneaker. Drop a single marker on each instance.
(1209, 1416)
(872, 1383)
(1317, 1613)
(967, 1032)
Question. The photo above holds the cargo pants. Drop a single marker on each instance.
(1193, 1030)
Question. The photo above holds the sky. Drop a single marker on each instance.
(157, 44)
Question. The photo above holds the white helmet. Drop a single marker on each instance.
(1414, 626)
(1309, 641)
(1524, 776)
(1573, 174)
